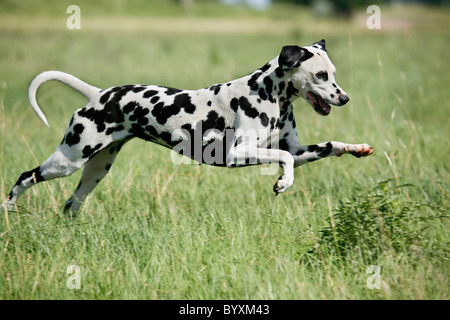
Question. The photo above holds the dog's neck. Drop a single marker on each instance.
(273, 84)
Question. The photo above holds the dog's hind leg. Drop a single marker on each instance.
(94, 171)
(59, 164)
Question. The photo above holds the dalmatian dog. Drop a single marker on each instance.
(247, 121)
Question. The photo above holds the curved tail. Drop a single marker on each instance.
(82, 87)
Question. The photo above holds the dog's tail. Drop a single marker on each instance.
(82, 87)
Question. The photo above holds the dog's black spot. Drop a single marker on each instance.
(228, 84)
(108, 166)
(154, 99)
(184, 101)
(105, 97)
(332, 95)
(283, 145)
(140, 115)
(130, 106)
(111, 113)
(284, 109)
(139, 132)
(279, 72)
(291, 116)
(264, 119)
(78, 128)
(338, 91)
(272, 123)
(163, 113)
(73, 138)
(300, 152)
(213, 121)
(210, 121)
(280, 124)
(35, 174)
(220, 124)
(234, 104)
(266, 92)
(209, 103)
(325, 151)
(269, 85)
(334, 85)
(149, 93)
(215, 88)
(166, 137)
(290, 91)
(187, 126)
(265, 67)
(246, 106)
(88, 151)
(172, 91)
(166, 112)
(262, 94)
(252, 81)
(152, 131)
(321, 151)
(157, 109)
(138, 89)
(114, 129)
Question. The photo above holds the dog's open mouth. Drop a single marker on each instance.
(319, 105)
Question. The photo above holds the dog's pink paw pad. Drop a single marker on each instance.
(362, 150)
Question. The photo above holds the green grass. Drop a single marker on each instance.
(155, 230)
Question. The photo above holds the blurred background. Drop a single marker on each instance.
(243, 242)
(383, 55)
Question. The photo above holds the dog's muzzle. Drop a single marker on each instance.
(321, 106)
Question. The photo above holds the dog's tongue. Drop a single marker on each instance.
(319, 105)
(326, 108)
(311, 98)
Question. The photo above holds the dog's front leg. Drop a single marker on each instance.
(305, 154)
(247, 155)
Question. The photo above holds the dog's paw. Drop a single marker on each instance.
(359, 150)
(282, 185)
(4, 206)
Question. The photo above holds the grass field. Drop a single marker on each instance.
(156, 230)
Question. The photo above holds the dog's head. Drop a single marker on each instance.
(312, 74)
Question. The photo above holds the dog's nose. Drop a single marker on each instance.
(343, 99)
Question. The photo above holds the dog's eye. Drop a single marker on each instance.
(322, 75)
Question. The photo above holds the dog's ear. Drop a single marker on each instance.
(320, 44)
(293, 56)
